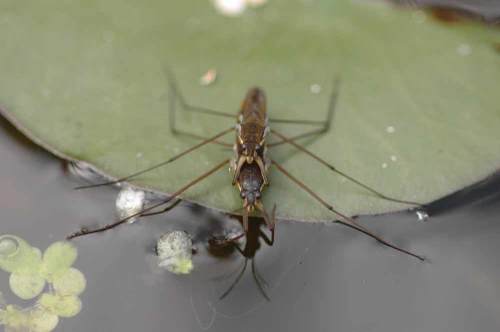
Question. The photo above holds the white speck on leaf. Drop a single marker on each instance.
(464, 49)
(230, 7)
(209, 77)
(390, 129)
(315, 88)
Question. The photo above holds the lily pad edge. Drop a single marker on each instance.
(39, 142)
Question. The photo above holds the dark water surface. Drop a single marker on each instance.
(321, 277)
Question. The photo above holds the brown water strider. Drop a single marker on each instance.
(250, 164)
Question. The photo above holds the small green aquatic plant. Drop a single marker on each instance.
(32, 273)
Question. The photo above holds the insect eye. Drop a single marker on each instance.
(257, 194)
(243, 194)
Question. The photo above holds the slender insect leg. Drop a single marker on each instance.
(172, 117)
(226, 293)
(324, 125)
(166, 209)
(174, 94)
(228, 241)
(266, 239)
(174, 89)
(347, 221)
(334, 169)
(315, 132)
(270, 223)
(260, 282)
(239, 250)
(172, 159)
(83, 232)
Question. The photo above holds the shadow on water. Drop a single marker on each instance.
(317, 275)
(488, 188)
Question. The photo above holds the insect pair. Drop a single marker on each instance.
(250, 164)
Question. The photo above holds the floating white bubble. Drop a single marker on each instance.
(129, 202)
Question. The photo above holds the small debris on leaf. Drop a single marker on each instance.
(209, 77)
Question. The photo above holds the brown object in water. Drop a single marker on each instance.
(250, 164)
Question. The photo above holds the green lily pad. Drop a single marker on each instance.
(26, 285)
(57, 259)
(417, 115)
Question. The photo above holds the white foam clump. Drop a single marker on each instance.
(129, 202)
(174, 251)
